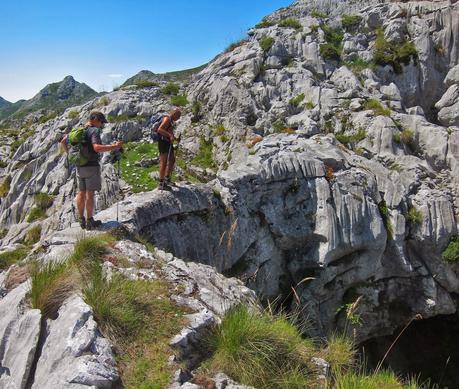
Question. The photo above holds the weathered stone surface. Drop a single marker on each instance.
(74, 354)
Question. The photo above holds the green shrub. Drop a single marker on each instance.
(376, 107)
(43, 200)
(357, 65)
(261, 350)
(407, 136)
(414, 216)
(73, 114)
(329, 51)
(279, 126)
(317, 14)
(33, 235)
(266, 42)
(296, 101)
(51, 284)
(309, 105)
(396, 137)
(103, 101)
(45, 118)
(235, 45)
(196, 111)
(351, 139)
(451, 253)
(5, 186)
(264, 24)
(385, 216)
(171, 88)
(219, 130)
(145, 84)
(350, 22)
(333, 36)
(204, 158)
(393, 54)
(8, 258)
(290, 23)
(179, 100)
(36, 213)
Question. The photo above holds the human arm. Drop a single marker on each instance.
(165, 129)
(98, 148)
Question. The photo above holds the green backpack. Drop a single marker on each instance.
(79, 147)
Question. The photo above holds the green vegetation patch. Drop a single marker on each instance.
(47, 117)
(351, 139)
(73, 114)
(350, 22)
(103, 101)
(196, 107)
(219, 130)
(333, 48)
(393, 54)
(171, 88)
(279, 126)
(385, 215)
(317, 14)
(290, 23)
(414, 216)
(145, 84)
(296, 101)
(179, 100)
(136, 176)
(266, 42)
(357, 65)
(5, 186)
(264, 24)
(9, 258)
(451, 253)
(43, 200)
(377, 108)
(33, 235)
(262, 350)
(235, 45)
(36, 213)
(204, 158)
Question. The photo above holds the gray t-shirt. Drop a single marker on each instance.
(93, 137)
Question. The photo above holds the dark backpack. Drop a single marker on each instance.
(155, 122)
(79, 146)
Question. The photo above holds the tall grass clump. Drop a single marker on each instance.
(451, 253)
(262, 350)
(8, 258)
(359, 380)
(377, 108)
(179, 100)
(171, 88)
(291, 23)
(52, 283)
(266, 42)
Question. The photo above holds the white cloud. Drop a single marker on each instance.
(116, 75)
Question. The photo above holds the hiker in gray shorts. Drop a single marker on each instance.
(89, 177)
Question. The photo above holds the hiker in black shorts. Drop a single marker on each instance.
(89, 175)
(166, 149)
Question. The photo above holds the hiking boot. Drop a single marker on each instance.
(82, 222)
(92, 224)
(169, 182)
(163, 185)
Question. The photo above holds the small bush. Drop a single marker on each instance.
(396, 137)
(196, 111)
(350, 22)
(145, 84)
(264, 24)
(333, 36)
(36, 213)
(103, 101)
(340, 352)
(279, 126)
(5, 186)
(451, 253)
(73, 114)
(376, 107)
(179, 100)
(351, 139)
(407, 136)
(266, 42)
(204, 158)
(261, 350)
(219, 130)
(309, 105)
(414, 216)
(33, 235)
(235, 45)
(51, 285)
(393, 54)
(296, 101)
(171, 88)
(43, 200)
(357, 65)
(317, 14)
(290, 23)
(329, 51)
(10, 257)
(43, 119)
(385, 216)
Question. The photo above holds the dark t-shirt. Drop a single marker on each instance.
(93, 137)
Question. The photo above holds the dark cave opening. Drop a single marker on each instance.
(428, 349)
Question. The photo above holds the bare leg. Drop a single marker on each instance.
(80, 202)
(89, 203)
(162, 165)
(170, 168)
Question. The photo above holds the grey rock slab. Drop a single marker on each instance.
(74, 354)
(19, 334)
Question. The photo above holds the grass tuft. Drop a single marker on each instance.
(171, 88)
(73, 114)
(5, 186)
(43, 200)
(179, 100)
(36, 213)
(290, 23)
(33, 235)
(9, 258)
(204, 158)
(52, 283)
(266, 42)
(340, 352)
(296, 101)
(350, 22)
(451, 253)
(376, 107)
(414, 216)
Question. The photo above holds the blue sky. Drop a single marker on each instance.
(103, 42)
